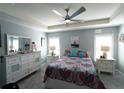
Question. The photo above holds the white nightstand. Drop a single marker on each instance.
(51, 59)
(106, 65)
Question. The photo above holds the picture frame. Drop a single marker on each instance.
(75, 41)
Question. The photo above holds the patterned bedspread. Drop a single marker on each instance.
(80, 71)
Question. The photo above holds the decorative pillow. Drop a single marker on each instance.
(86, 54)
(80, 54)
(67, 52)
(73, 52)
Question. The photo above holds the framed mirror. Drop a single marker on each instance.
(17, 44)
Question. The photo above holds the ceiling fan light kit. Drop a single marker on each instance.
(68, 18)
(70, 22)
(67, 21)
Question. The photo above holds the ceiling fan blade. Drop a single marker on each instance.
(79, 11)
(58, 13)
(60, 21)
(79, 21)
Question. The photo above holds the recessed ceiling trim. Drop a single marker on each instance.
(117, 12)
(86, 23)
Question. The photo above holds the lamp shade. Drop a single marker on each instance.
(105, 48)
(52, 48)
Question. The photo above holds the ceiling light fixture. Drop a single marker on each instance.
(67, 21)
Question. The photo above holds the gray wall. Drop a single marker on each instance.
(8, 27)
(121, 51)
(86, 39)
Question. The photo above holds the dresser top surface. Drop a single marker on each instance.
(108, 59)
(17, 54)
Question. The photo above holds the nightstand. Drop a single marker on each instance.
(51, 59)
(106, 65)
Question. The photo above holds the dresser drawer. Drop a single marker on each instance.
(26, 57)
(9, 79)
(13, 77)
(13, 68)
(12, 60)
(24, 72)
(36, 55)
(106, 65)
(25, 66)
(106, 70)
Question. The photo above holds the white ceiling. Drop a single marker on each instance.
(41, 15)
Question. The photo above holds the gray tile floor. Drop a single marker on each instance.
(34, 81)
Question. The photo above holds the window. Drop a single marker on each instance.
(16, 44)
(13, 44)
(103, 40)
(54, 42)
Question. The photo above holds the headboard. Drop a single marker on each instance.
(75, 45)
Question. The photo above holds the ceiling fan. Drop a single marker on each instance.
(69, 18)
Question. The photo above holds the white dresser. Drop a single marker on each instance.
(51, 59)
(106, 65)
(18, 66)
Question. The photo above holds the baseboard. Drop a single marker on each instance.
(120, 72)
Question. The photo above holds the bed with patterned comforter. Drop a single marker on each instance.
(80, 71)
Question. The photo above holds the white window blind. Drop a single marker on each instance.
(16, 44)
(103, 40)
(54, 41)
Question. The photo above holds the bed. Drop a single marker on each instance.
(72, 72)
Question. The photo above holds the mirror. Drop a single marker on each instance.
(17, 44)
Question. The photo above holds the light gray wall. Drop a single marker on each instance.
(8, 27)
(121, 51)
(86, 39)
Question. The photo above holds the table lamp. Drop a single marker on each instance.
(52, 48)
(105, 49)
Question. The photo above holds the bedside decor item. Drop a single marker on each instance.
(75, 42)
(27, 46)
(11, 49)
(34, 46)
(102, 56)
(52, 48)
(105, 49)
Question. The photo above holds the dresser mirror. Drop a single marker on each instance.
(18, 44)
